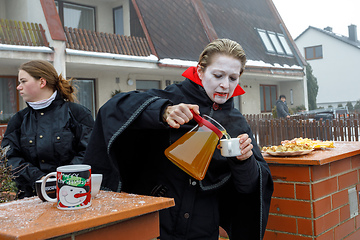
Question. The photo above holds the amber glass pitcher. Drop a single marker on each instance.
(193, 151)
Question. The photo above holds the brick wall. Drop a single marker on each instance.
(312, 202)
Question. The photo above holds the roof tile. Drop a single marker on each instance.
(81, 39)
(177, 32)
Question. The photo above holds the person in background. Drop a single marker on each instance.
(282, 108)
(51, 131)
(133, 129)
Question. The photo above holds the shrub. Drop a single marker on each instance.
(7, 185)
(274, 112)
(298, 108)
(115, 92)
(4, 121)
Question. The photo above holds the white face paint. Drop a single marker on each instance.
(221, 77)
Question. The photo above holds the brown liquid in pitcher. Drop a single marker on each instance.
(193, 152)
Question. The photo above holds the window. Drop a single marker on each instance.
(118, 21)
(75, 15)
(9, 104)
(266, 40)
(86, 93)
(268, 96)
(144, 85)
(314, 52)
(285, 44)
(275, 43)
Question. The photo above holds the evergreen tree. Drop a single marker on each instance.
(312, 87)
(357, 106)
(350, 106)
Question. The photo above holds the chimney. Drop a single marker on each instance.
(329, 29)
(352, 32)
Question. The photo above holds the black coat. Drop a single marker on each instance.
(41, 140)
(282, 109)
(127, 146)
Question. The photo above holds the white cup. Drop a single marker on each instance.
(230, 147)
(96, 180)
(73, 187)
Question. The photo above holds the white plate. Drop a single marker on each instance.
(287, 154)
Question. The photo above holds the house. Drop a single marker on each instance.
(334, 59)
(124, 45)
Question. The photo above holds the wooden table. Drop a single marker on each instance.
(111, 216)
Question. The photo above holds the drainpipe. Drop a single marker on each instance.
(149, 59)
(20, 48)
(306, 97)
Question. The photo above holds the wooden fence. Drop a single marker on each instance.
(268, 131)
(22, 33)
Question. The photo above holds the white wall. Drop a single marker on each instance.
(105, 75)
(250, 101)
(2, 9)
(297, 88)
(19, 10)
(15, 9)
(338, 73)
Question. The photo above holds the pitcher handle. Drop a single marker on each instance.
(202, 121)
(197, 117)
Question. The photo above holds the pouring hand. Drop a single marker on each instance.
(246, 146)
(180, 114)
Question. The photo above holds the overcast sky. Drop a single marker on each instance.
(298, 15)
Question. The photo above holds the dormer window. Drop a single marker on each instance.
(275, 43)
(266, 41)
(285, 44)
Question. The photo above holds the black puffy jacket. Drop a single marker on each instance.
(41, 140)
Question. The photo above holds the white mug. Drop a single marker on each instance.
(73, 187)
(96, 180)
(230, 147)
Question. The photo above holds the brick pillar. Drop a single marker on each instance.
(312, 202)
